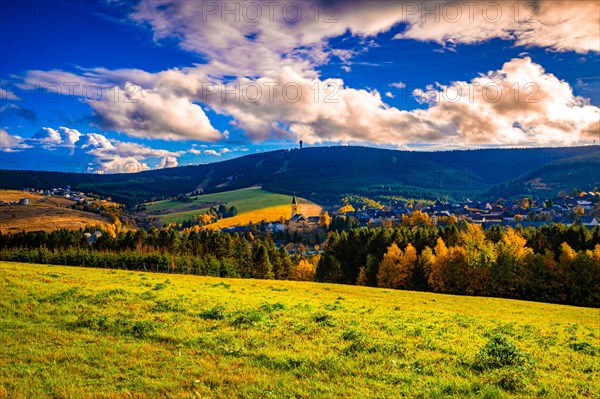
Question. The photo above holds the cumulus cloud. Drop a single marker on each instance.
(519, 104)
(212, 152)
(486, 110)
(146, 109)
(557, 25)
(389, 94)
(98, 153)
(10, 143)
(152, 113)
(167, 162)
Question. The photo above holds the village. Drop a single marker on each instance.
(64, 192)
(580, 209)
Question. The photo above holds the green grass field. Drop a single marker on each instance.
(249, 202)
(69, 332)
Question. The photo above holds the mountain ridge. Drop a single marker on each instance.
(325, 173)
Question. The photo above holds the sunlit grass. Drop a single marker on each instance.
(75, 332)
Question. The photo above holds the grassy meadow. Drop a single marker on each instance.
(44, 213)
(68, 332)
(253, 205)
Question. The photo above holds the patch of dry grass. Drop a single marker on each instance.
(44, 213)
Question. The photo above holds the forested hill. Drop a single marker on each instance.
(324, 173)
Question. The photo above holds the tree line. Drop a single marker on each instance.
(161, 250)
(557, 263)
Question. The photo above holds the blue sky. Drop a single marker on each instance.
(383, 63)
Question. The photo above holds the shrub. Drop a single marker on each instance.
(215, 313)
(248, 318)
(499, 352)
(584, 347)
(324, 319)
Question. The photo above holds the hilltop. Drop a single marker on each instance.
(322, 174)
(44, 213)
(159, 335)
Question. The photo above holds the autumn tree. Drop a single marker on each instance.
(362, 276)
(303, 271)
(386, 278)
(435, 265)
(509, 271)
(325, 220)
(397, 267)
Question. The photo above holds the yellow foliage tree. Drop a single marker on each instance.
(567, 255)
(397, 267)
(387, 268)
(346, 209)
(436, 265)
(325, 219)
(303, 271)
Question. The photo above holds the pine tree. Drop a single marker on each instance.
(328, 269)
(262, 265)
(285, 262)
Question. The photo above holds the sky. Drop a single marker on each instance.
(110, 86)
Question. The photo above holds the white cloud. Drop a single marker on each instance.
(155, 114)
(195, 151)
(490, 109)
(167, 162)
(10, 143)
(7, 95)
(103, 155)
(275, 51)
(389, 94)
(557, 25)
(551, 116)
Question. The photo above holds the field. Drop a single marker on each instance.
(44, 213)
(68, 332)
(253, 205)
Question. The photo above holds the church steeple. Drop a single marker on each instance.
(295, 206)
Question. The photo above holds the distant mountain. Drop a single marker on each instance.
(582, 172)
(322, 174)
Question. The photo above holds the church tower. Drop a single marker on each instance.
(295, 206)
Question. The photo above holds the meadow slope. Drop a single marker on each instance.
(253, 205)
(68, 332)
(44, 213)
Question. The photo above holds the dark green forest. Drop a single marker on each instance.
(322, 174)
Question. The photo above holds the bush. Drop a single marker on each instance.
(215, 313)
(248, 318)
(324, 319)
(500, 352)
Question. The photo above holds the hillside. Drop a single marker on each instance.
(564, 174)
(322, 174)
(252, 204)
(44, 213)
(157, 335)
